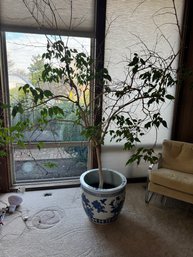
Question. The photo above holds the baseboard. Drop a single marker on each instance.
(39, 186)
(137, 180)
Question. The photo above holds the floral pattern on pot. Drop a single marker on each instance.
(103, 210)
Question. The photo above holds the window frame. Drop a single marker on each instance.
(9, 160)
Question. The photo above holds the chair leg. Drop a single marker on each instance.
(148, 196)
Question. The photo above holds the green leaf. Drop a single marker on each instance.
(48, 93)
(135, 69)
(107, 77)
(142, 61)
(148, 125)
(50, 111)
(170, 97)
(164, 123)
(151, 101)
(14, 111)
(40, 145)
(3, 153)
(134, 61)
(50, 165)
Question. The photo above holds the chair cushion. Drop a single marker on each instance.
(177, 156)
(172, 179)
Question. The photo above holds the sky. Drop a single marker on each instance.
(22, 46)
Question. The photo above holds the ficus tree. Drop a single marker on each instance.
(146, 85)
(130, 108)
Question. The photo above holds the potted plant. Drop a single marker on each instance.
(145, 85)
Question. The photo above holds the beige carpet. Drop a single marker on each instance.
(58, 227)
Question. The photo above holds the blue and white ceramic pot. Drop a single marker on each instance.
(103, 206)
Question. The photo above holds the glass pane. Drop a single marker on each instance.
(50, 163)
(25, 66)
(54, 132)
(145, 28)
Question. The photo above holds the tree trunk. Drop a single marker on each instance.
(98, 153)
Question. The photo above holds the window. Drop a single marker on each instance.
(64, 152)
(145, 26)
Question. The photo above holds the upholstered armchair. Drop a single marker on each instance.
(174, 174)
